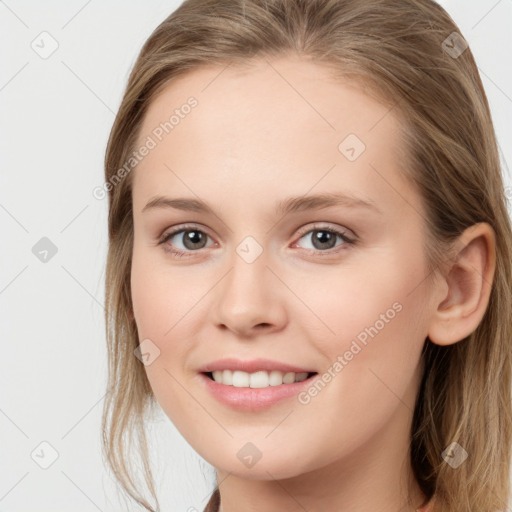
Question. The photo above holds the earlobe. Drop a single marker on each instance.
(468, 281)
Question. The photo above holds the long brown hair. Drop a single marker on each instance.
(411, 55)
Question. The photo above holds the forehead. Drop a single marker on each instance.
(276, 121)
(295, 86)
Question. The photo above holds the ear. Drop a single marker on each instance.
(468, 280)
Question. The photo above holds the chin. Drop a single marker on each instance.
(277, 465)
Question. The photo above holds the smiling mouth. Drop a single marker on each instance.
(259, 379)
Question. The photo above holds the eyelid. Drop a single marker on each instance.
(319, 226)
(171, 232)
(183, 227)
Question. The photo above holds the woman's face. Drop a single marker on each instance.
(262, 276)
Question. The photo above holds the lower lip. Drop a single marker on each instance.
(253, 399)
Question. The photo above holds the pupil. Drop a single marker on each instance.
(324, 237)
(192, 238)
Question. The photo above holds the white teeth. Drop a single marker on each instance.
(227, 377)
(240, 379)
(261, 379)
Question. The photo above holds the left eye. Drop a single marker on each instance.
(323, 239)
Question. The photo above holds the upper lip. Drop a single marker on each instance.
(252, 366)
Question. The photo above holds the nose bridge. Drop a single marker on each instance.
(247, 297)
(248, 280)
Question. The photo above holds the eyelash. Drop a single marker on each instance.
(184, 254)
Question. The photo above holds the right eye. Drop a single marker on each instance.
(191, 239)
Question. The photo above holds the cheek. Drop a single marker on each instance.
(372, 360)
(374, 299)
(160, 305)
(168, 311)
(377, 325)
(162, 295)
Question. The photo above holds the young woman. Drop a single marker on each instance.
(309, 263)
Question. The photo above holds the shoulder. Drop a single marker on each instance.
(213, 504)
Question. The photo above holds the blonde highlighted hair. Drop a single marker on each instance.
(395, 49)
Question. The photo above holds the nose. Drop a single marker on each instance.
(250, 299)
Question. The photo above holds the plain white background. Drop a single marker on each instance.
(56, 115)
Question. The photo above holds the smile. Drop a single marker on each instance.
(259, 379)
(254, 391)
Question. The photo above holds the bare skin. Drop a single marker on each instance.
(258, 136)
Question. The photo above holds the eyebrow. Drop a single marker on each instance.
(289, 205)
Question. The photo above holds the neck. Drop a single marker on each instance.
(373, 478)
(289, 496)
